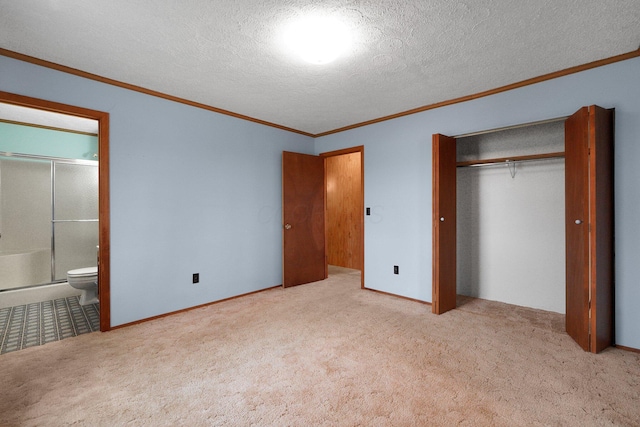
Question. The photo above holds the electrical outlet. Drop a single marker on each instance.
(196, 277)
(396, 269)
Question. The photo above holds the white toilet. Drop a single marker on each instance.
(85, 279)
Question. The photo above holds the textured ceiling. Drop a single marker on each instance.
(406, 54)
(15, 113)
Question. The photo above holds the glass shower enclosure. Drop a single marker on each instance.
(48, 218)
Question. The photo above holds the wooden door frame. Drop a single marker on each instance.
(351, 150)
(601, 213)
(104, 237)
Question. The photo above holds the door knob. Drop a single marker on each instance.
(578, 222)
(441, 219)
(287, 226)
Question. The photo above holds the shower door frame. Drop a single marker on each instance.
(53, 161)
(104, 227)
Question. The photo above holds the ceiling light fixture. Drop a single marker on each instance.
(318, 40)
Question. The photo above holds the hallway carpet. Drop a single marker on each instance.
(325, 354)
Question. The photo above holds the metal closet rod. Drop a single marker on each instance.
(503, 160)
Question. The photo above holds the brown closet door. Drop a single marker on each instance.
(577, 226)
(589, 227)
(303, 235)
(444, 224)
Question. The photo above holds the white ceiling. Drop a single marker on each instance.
(16, 113)
(406, 54)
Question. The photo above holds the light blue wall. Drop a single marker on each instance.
(192, 191)
(47, 142)
(397, 157)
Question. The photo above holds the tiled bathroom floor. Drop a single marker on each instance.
(42, 322)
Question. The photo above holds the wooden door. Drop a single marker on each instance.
(444, 224)
(589, 227)
(577, 226)
(303, 234)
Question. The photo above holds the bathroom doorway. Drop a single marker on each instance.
(77, 187)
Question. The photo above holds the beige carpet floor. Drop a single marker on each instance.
(324, 354)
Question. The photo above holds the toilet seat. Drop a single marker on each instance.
(83, 272)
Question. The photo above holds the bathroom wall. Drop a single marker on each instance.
(23, 139)
(398, 177)
(192, 191)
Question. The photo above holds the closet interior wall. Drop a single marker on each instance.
(511, 229)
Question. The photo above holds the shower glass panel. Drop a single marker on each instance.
(25, 222)
(76, 191)
(48, 218)
(75, 217)
(75, 247)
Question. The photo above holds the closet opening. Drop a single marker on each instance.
(510, 244)
(517, 210)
